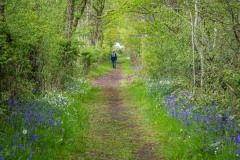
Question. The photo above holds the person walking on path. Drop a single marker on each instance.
(113, 57)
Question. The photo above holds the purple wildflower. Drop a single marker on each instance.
(34, 137)
(237, 139)
(171, 101)
(11, 102)
(184, 114)
(20, 146)
(208, 119)
(198, 118)
(30, 155)
(32, 152)
(29, 114)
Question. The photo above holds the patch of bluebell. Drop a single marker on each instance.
(215, 125)
(35, 122)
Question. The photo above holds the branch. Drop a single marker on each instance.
(82, 7)
(228, 85)
(95, 8)
(235, 29)
(107, 12)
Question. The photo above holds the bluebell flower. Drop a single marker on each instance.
(20, 146)
(198, 118)
(1, 157)
(208, 119)
(184, 114)
(187, 123)
(237, 139)
(30, 155)
(11, 102)
(32, 152)
(29, 114)
(34, 137)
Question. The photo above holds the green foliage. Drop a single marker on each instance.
(100, 70)
(90, 58)
(41, 127)
(36, 56)
(32, 34)
(161, 33)
(178, 141)
(126, 64)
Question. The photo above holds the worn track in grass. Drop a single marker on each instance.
(118, 132)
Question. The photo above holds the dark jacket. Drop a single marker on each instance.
(113, 56)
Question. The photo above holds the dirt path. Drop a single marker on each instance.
(118, 133)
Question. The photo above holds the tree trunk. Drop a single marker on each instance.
(96, 33)
(67, 57)
(81, 9)
(99, 7)
(69, 21)
(198, 41)
(193, 53)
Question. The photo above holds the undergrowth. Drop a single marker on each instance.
(180, 138)
(100, 70)
(49, 126)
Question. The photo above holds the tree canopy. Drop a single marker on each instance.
(194, 44)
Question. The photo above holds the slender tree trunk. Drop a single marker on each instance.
(197, 41)
(215, 37)
(193, 54)
(69, 21)
(66, 58)
(202, 67)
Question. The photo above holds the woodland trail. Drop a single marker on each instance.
(118, 132)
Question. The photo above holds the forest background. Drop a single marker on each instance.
(194, 45)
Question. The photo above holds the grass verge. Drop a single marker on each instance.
(50, 126)
(100, 70)
(125, 64)
(77, 126)
(175, 140)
